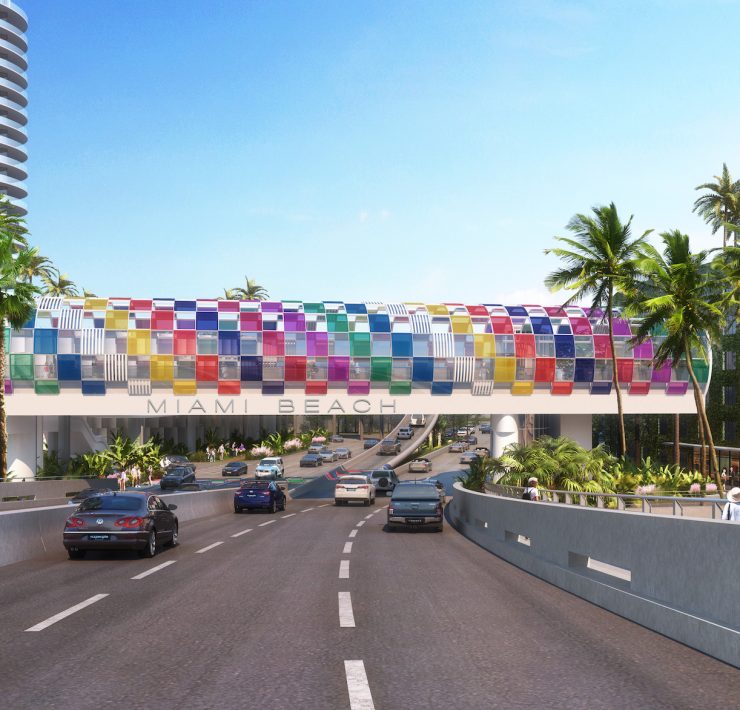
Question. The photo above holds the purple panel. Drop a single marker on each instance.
(271, 307)
(594, 312)
(186, 324)
(317, 344)
(643, 351)
(663, 374)
(338, 369)
(601, 388)
(358, 388)
(621, 327)
(8, 387)
(294, 322)
(677, 388)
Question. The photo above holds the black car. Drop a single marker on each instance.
(369, 443)
(120, 521)
(86, 493)
(177, 476)
(235, 468)
(314, 460)
(259, 494)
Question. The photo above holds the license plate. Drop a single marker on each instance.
(98, 537)
(251, 495)
(412, 521)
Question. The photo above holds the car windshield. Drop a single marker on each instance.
(256, 484)
(177, 471)
(380, 474)
(113, 502)
(268, 462)
(414, 491)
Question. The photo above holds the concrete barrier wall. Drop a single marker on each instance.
(676, 576)
(26, 534)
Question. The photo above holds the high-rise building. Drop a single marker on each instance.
(13, 101)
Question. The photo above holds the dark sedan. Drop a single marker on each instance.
(86, 493)
(312, 460)
(259, 494)
(235, 468)
(177, 476)
(369, 443)
(120, 521)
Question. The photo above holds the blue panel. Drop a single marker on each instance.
(565, 346)
(228, 342)
(45, 341)
(94, 387)
(423, 370)
(517, 311)
(68, 368)
(584, 370)
(541, 325)
(251, 368)
(31, 320)
(441, 387)
(355, 307)
(402, 344)
(206, 320)
(184, 305)
(379, 323)
(601, 388)
(273, 388)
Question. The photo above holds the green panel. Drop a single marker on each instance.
(228, 325)
(46, 387)
(21, 367)
(701, 370)
(313, 308)
(359, 344)
(400, 388)
(380, 369)
(7, 340)
(337, 322)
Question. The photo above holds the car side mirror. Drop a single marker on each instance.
(171, 506)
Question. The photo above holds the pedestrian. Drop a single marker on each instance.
(122, 480)
(135, 475)
(732, 507)
(221, 451)
(531, 492)
(723, 476)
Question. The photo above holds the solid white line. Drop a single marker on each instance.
(346, 615)
(154, 569)
(68, 612)
(243, 532)
(323, 505)
(370, 515)
(347, 548)
(269, 522)
(289, 515)
(352, 533)
(344, 569)
(209, 547)
(305, 510)
(360, 524)
(358, 687)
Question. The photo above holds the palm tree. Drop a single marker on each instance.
(251, 291)
(41, 267)
(599, 264)
(88, 294)
(680, 294)
(720, 207)
(61, 286)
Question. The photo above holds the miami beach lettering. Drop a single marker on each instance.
(232, 405)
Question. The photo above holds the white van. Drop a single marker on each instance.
(268, 466)
(418, 420)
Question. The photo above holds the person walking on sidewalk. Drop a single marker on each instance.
(531, 492)
(731, 510)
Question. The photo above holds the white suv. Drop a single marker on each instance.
(269, 466)
(405, 432)
(354, 488)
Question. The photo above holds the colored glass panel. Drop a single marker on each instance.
(95, 388)
(228, 342)
(184, 387)
(359, 344)
(442, 388)
(317, 388)
(423, 369)
(544, 370)
(564, 346)
(485, 346)
(251, 368)
(402, 344)
(584, 370)
(625, 370)
(338, 369)
(206, 342)
(317, 344)
(461, 324)
(250, 321)
(295, 369)
(400, 388)
(561, 388)
(206, 320)
(206, 368)
(116, 320)
(294, 322)
(601, 388)
(46, 387)
(379, 323)
(162, 368)
(184, 342)
(21, 367)
(505, 369)
(69, 368)
(139, 342)
(380, 369)
(358, 388)
(522, 388)
(337, 323)
(163, 320)
(229, 387)
(524, 345)
(273, 343)
(45, 342)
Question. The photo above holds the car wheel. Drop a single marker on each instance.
(439, 529)
(372, 501)
(175, 535)
(273, 507)
(285, 503)
(151, 545)
(237, 509)
(76, 554)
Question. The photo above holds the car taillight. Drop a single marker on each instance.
(361, 487)
(439, 509)
(75, 522)
(129, 522)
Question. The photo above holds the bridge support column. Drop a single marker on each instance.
(25, 446)
(504, 431)
(577, 427)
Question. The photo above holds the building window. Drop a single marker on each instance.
(729, 431)
(728, 395)
(731, 328)
(730, 359)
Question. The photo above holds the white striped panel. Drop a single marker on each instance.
(50, 303)
(482, 389)
(444, 345)
(420, 323)
(396, 309)
(70, 319)
(92, 341)
(116, 368)
(464, 369)
(140, 387)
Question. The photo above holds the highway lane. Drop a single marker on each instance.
(255, 622)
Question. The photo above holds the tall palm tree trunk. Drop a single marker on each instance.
(702, 444)
(615, 375)
(3, 422)
(677, 439)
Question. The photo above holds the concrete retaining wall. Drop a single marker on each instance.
(676, 576)
(26, 534)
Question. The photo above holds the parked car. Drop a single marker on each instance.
(418, 420)
(175, 460)
(469, 456)
(420, 465)
(343, 453)
(336, 439)
(328, 456)
(415, 504)
(176, 476)
(314, 460)
(384, 480)
(472, 439)
(259, 494)
(405, 432)
(235, 468)
(389, 446)
(266, 466)
(369, 443)
(86, 493)
(458, 447)
(355, 487)
(120, 521)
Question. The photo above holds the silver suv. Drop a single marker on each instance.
(389, 446)
(384, 480)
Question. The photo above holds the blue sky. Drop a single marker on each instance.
(365, 150)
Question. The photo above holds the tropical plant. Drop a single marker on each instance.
(251, 291)
(275, 443)
(720, 207)
(39, 267)
(475, 478)
(682, 299)
(59, 285)
(599, 263)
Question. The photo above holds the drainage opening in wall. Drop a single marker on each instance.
(596, 569)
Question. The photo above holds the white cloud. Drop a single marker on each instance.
(363, 216)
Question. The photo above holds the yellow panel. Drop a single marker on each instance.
(461, 324)
(485, 345)
(505, 369)
(116, 320)
(162, 368)
(435, 309)
(184, 387)
(139, 342)
(522, 388)
(96, 304)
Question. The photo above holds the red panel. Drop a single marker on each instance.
(228, 306)
(163, 320)
(477, 310)
(640, 388)
(273, 343)
(140, 305)
(316, 387)
(524, 345)
(544, 369)
(555, 311)
(562, 388)
(624, 370)
(580, 326)
(502, 325)
(602, 348)
(229, 387)
(184, 342)
(250, 321)
(206, 368)
(295, 369)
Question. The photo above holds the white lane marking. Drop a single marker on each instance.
(209, 547)
(360, 524)
(370, 515)
(323, 505)
(269, 522)
(243, 532)
(289, 515)
(154, 569)
(346, 615)
(68, 612)
(352, 533)
(347, 548)
(305, 510)
(360, 697)
(344, 569)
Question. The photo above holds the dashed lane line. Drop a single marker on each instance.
(352, 533)
(360, 697)
(67, 612)
(243, 532)
(209, 547)
(269, 522)
(154, 569)
(305, 510)
(347, 548)
(346, 615)
(344, 569)
(289, 515)
(360, 524)
(369, 515)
